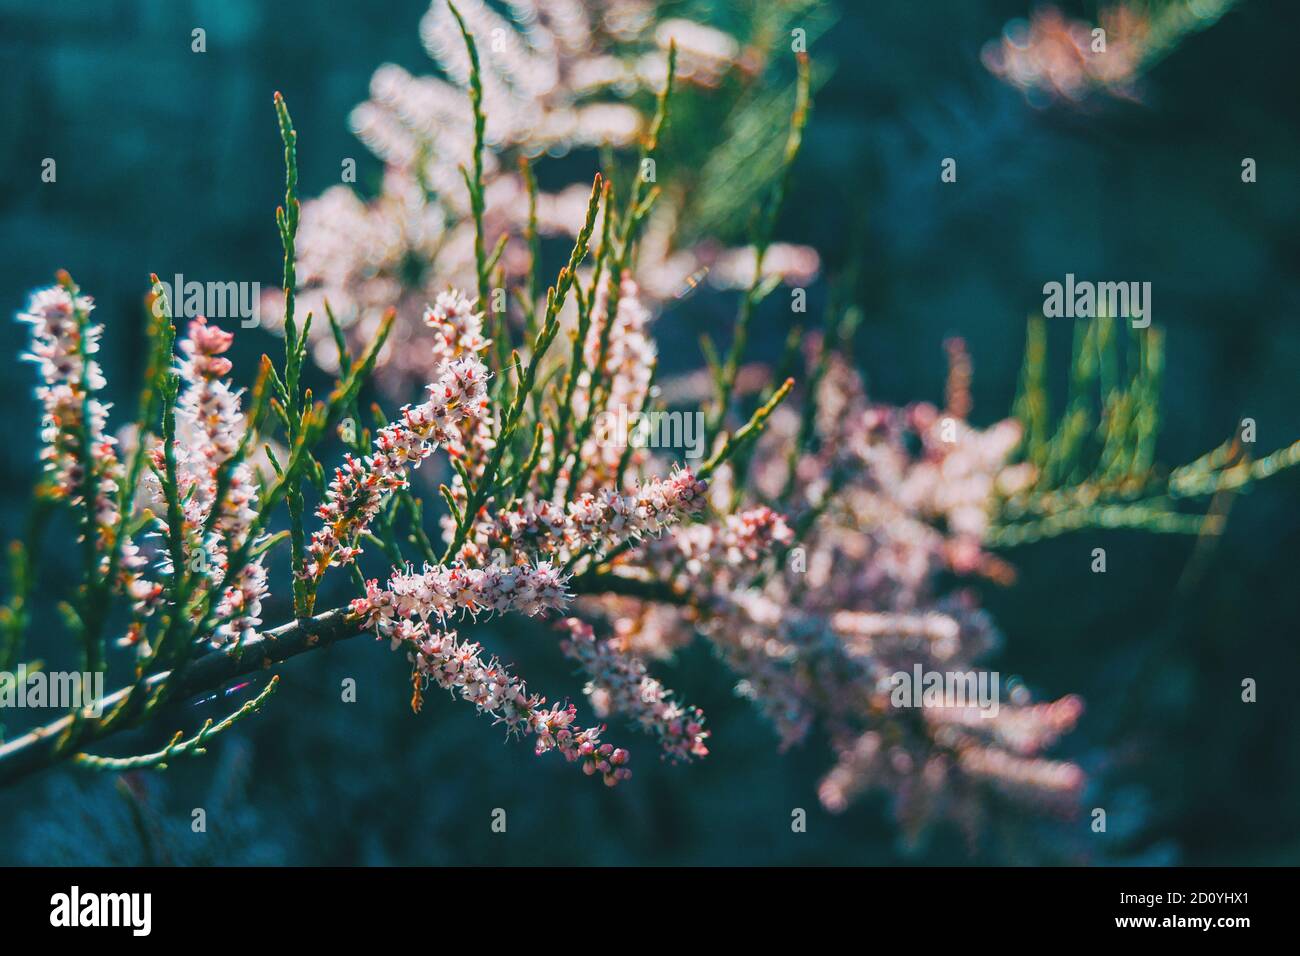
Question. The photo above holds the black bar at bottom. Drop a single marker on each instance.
(236, 906)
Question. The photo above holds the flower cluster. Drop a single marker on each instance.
(555, 77)
(515, 555)
(401, 612)
(620, 684)
(457, 335)
(445, 592)
(460, 667)
(75, 448)
(596, 521)
(816, 628)
(1050, 57)
(62, 345)
(652, 507)
(826, 539)
(728, 549)
(360, 486)
(457, 327)
(621, 347)
(209, 423)
(201, 492)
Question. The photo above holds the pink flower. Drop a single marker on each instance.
(445, 592)
(210, 424)
(442, 658)
(619, 684)
(62, 345)
(204, 346)
(458, 329)
(359, 487)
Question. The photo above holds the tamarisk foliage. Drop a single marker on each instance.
(175, 541)
(812, 548)
(1094, 464)
(548, 79)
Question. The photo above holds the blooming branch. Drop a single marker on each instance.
(360, 487)
(620, 684)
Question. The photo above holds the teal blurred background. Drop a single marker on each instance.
(170, 162)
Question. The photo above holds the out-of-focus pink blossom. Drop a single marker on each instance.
(556, 76)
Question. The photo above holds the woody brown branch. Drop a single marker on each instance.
(59, 739)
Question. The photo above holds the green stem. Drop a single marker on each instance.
(767, 226)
